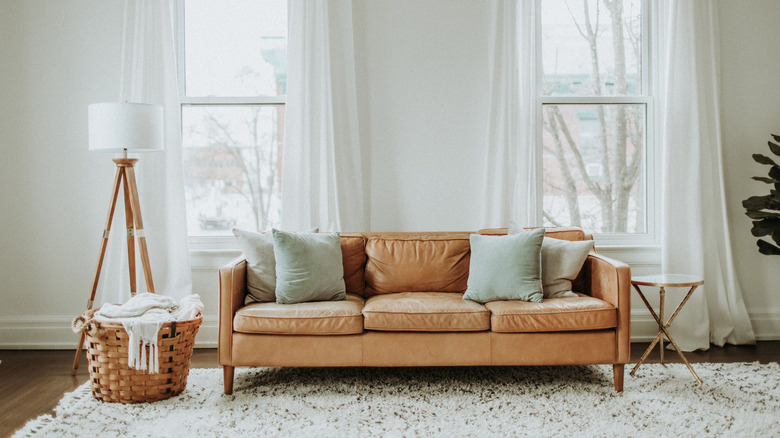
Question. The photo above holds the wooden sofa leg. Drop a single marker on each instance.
(228, 372)
(617, 371)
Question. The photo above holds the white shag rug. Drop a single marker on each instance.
(736, 399)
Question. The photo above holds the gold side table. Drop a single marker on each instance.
(663, 281)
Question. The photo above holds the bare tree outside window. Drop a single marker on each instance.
(594, 143)
(233, 166)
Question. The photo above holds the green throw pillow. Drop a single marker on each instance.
(309, 267)
(258, 249)
(506, 267)
(562, 261)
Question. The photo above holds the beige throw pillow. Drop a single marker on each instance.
(562, 260)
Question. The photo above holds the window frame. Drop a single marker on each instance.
(652, 161)
(227, 242)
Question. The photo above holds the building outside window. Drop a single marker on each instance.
(232, 79)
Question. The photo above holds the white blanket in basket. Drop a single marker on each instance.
(142, 316)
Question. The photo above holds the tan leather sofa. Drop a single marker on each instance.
(404, 307)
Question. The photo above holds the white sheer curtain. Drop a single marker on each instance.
(148, 75)
(322, 182)
(695, 231)
(510, 167)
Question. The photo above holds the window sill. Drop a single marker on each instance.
(210, 252)
(634, 255)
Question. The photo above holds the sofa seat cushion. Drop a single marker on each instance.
(424, 312)
(552, 315)
(310, 318)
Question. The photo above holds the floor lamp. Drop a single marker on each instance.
(124, 127)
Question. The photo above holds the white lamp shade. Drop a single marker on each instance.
(116, 126)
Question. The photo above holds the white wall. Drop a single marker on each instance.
(55, 59)
(423, 100)
(421, 69)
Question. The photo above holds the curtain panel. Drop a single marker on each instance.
(695, 232)
(148, 75)
(510, 171)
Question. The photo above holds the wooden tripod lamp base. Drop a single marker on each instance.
(125, 177)
(119, 127)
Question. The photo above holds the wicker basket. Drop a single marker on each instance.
(111, 378)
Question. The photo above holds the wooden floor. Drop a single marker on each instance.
(32, 382)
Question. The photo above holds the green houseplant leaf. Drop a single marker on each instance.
(758, 214)
(774, 172)
(773, 147)
(766, 180)
(767, 248)
(761, 203)
(765, 210)
(763, 159)
(765, 227)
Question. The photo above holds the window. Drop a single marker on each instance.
(594, 114)
(232, 81)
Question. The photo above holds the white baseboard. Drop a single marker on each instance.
(766, 325)
(54, 332)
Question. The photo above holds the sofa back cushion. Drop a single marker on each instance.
(408, 262)
(353, 255)
(385, 262)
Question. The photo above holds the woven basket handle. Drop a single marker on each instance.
(86, 324)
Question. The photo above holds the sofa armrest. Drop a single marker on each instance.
(232, 290)
(610, 280)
